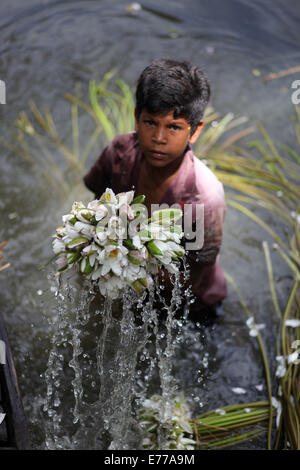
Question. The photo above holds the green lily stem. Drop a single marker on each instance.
(285, 316)
(264, 358)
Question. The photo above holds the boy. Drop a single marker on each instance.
(156, 160)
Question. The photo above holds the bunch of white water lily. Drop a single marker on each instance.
(180, 435)
(111, 241)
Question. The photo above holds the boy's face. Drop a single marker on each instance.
(163, 139)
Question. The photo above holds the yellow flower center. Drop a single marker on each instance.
(114, 253)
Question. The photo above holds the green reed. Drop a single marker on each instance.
(260, 174)
(266, 175)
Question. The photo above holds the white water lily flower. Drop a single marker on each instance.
(116, 228)
(253, 327)
(99, 209)
(293, 322)
(136, 241)
(166, 253)
(277, 405)
(132, 272)
(67, 217)
(238, 390)
(85, 215)
(100, 235)
(185, 440)
(61, 261)
(70, 234)
(101, 212)
(92, 252)
(109, 196)
(94, 240)
(111, 287)
(60, 231)
(126, 212)
(96, 274)
(293, 357)
(125, 198)
(294, 214)
(139, 257)
(77, 206)
(153, 266)
(175, 248)
(281, 369)
(220, 411)
(178, 421)
(182, 416)
(114, 259)
(58, 245)
(85, 229)
(172, 268)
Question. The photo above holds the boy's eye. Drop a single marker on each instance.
(174, 127)
(151, 122)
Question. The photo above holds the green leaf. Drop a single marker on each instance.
(134, 260)
(153, 249)
(138, 199)
(77, 243)
(72, 257)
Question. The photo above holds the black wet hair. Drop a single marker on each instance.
(167, 85)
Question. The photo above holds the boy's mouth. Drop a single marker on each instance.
(158, 154)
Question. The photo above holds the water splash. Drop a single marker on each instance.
(106, 357)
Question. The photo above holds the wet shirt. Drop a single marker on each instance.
(118, 168)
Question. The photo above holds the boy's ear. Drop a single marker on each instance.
(197, 132)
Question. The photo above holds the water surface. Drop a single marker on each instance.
(46, 49)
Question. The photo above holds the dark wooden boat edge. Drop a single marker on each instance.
(17, 437)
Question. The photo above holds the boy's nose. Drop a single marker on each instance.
(159, 135)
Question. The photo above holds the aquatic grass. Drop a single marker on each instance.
(2, 264)
(219, 428)
(231, 425)
(36, 139)
(263, 354)
(258, 174)
(270, 181)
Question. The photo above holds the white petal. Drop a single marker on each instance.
(277, 404)
(58, 245)
(2, 353)
(293, 357)
(294, 323)
(238, 390)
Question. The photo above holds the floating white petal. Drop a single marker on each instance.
(2, 352)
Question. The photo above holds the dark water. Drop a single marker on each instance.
(46, 49)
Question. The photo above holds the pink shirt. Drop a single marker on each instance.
(118, 168)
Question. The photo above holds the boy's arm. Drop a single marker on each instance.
(205, 256)
(99, 176)
(199, 259)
